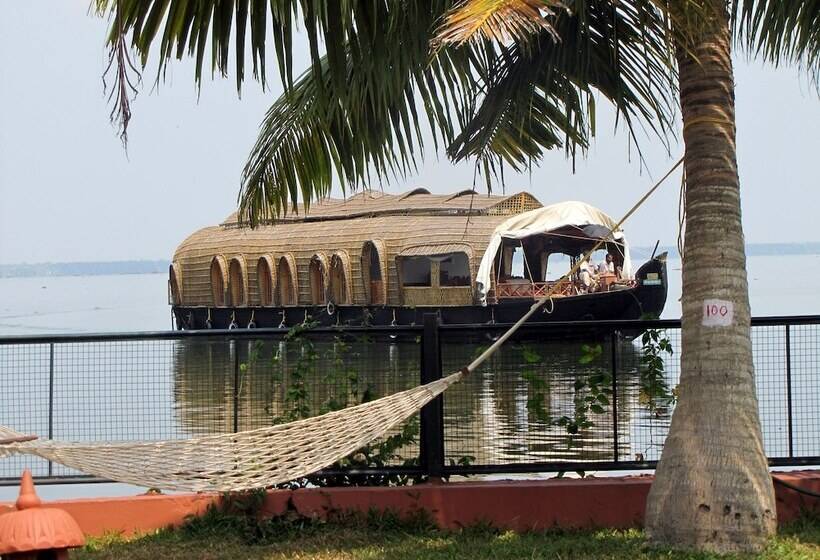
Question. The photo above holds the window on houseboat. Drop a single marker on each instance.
(263, 277)
(557, 265)
(415, 271)
(285, 284)
(217, 283)
(338, 280)
(517, 267)
(236, 281)
(512, 263)
(454, 270)
(375, 266)
(317, 282)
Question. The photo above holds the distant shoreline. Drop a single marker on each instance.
(752, 250)
(160, 266)
(100, 268)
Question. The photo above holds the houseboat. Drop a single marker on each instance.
(382, 259)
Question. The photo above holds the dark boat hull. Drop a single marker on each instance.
(647, 298)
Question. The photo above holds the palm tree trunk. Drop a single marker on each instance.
(712, 488)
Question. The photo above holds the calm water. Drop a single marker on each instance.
(187, 386)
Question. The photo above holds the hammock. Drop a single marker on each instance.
(267, 456)
(238, 461)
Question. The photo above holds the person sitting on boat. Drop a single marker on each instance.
(608, 265)
(586, 277)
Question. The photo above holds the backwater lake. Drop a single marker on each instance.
(171, 389)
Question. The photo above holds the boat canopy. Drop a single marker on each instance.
(541, 221)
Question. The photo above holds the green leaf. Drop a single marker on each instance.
(530, 356)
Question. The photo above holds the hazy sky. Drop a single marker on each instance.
(69, 193)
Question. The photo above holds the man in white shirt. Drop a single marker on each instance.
(586, 276)
(608, 266)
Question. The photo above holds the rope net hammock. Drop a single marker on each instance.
(266, 456)
(238, 461)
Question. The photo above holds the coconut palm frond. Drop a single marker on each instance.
(780, 31)
(222, 30)
(542, 96)
(524, 112)
(309, 139)
(492, 103)
(500, 21)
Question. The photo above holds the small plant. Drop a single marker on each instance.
(592, 392)
(655, 392)
(333, 368)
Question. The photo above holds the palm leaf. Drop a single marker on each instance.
(196, 27)
(500, 21)
(540, 95)
(780, 31)
(313, 134)
(338, 32)
(498, 105)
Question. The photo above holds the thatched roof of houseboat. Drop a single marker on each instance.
(418, 201)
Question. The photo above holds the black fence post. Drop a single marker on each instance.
(613, 340)
(235, 346)
(50, 400)
(789, 388)
(431, 437)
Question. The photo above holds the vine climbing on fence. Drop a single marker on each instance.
(333, 369)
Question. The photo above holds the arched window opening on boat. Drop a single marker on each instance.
(318, 279)
(237, 283)
(373, 277)
(174, 284)
(339, 279)
(264, 280)
(218, 281)
(286, 281)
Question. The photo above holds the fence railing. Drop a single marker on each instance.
(578, 396)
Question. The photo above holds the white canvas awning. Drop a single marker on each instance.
(542, 221)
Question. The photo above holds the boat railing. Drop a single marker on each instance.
(533, 290)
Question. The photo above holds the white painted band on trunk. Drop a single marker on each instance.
(718, 313)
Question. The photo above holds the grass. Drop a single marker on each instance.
(218, 535)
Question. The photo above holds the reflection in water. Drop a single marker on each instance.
(490, 417)
(155, 389)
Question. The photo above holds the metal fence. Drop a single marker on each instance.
(557, 397)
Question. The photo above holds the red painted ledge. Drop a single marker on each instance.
(616, 502)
